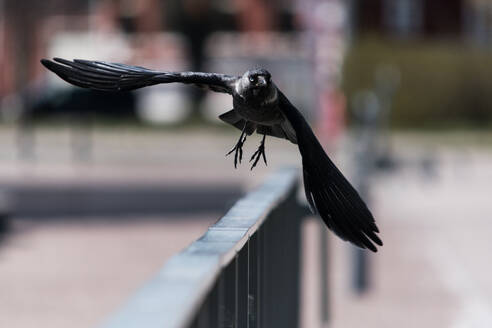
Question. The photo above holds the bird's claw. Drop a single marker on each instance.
(238, 149)
(260, 152)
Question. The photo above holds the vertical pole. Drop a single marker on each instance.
(324, 274)
(202, 319)
(364, 157)
(213, 308)
(298, 212)
(261, 276)
(242, 287)
(267, 283)
(236, 291)
(228, 296)
(253, 282)
(360, 270)
(221, 307)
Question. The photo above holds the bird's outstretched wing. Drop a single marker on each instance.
(103, 76)
(327, 190)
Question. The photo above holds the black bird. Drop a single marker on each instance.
(258, 106)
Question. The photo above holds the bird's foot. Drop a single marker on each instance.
(260, 152)
(238, 150)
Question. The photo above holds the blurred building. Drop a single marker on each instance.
(27, 27)
(154, 33)
(466, 19)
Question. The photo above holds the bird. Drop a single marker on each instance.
(258, 106)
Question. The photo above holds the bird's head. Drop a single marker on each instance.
(256, 83)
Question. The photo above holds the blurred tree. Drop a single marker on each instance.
(442, 84)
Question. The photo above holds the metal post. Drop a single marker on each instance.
(213, 307)
(324, 276)
(267, 284)
(253, 285)
(261, 277)
(367, 110)
(230, 292)
(242, 287)
(360, 271)
(221, 308)
(203, 318)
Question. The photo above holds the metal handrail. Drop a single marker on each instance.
(243, 272)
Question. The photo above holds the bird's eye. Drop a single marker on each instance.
(252, 79)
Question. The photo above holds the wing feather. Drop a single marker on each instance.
(327, 190)
(104, 76)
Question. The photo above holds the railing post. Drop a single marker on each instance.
(261, 277)
(213, 307)
(243, 288)
(324, 274)
(229, 299)
(266, 287)
(253, 286)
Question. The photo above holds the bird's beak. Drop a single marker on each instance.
(261, 81)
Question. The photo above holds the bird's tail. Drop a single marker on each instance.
(328, 191)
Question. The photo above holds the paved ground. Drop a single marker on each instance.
(434, 270)
(74, 274)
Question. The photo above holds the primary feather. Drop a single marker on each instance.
(327, 190)
(98, 75)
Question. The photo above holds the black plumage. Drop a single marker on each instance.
(258, 106)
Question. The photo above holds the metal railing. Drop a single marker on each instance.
(243, 272)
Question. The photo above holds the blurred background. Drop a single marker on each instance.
(97, 189)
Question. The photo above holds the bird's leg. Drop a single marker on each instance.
(238, 148)
(260, 152)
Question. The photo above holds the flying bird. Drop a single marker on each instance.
(258, 105)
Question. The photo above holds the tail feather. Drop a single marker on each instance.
(241, 124)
